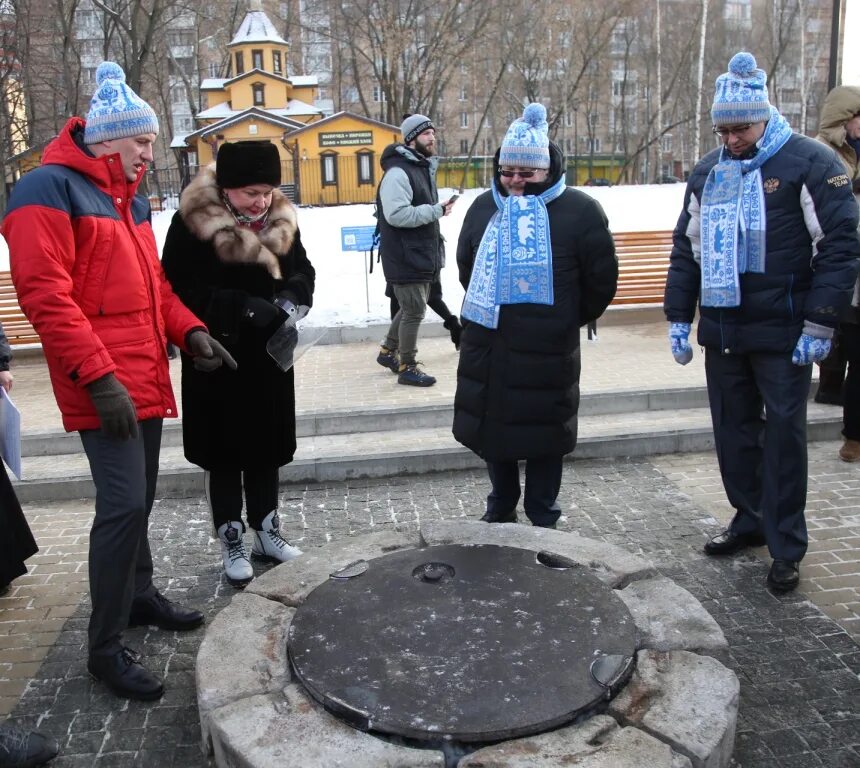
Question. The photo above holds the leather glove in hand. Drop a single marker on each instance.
(679, 338)
(114, 406)
(263, 315)
(810, 349)
(208, 354)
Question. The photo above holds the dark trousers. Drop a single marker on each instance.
(224, 494)
(763, 460)
(120, 566)
(851, 403)
(831, 370)
(543, 482)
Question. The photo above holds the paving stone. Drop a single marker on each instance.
(248, 734)
(610, 564)
(670, 618)
(600, 499)
(686, 700)
(234, 665)
(596, 743)
(290, 583)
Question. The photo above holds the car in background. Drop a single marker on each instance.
(597, 181)
(669, 180)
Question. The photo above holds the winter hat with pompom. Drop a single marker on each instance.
(526, 144)
(116, 111)
(741, 93)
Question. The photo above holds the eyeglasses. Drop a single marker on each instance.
(737, 130)
(508, 174)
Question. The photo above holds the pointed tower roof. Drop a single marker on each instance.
(256, 27)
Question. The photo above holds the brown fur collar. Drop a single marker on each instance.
(208, 219)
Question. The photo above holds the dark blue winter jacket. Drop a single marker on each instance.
(812, 254)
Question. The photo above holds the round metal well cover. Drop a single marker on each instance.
(470, 643)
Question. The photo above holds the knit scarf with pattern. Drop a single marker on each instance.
(734, 219)
(514, 260)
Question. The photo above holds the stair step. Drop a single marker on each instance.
(410, 449)
(378, 419)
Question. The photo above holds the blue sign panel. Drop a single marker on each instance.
(356, 238)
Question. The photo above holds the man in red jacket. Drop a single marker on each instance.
(85, 267)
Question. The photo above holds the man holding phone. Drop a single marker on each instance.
(410, 241)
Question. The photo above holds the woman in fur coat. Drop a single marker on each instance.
(233, 248)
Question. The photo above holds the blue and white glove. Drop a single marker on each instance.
(679, 337)
(813, 345)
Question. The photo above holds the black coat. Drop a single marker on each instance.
(518, 385)
(808, 199)
(244, 418)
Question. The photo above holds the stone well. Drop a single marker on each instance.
(678, 708)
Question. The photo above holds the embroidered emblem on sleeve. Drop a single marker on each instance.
(839, 181)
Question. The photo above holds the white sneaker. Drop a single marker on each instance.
(237, 566)
(270, 545)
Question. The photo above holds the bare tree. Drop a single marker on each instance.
(408, 49)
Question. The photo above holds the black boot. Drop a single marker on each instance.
(125, 676)
(455, 329)
(24, 749)
(158, 611)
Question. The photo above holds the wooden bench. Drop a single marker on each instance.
(643, 261)
(15, 325)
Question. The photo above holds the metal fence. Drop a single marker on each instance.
(327, 180)
(343, 179)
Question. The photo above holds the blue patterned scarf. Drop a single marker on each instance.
(734, 219)
(514, 260)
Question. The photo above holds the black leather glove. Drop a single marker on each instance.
(208, 354)
(114, 407)
(263, 315)
(455, 329)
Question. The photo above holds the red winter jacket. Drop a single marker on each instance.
(85, 267)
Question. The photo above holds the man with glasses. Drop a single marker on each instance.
(538, 262)
(410, 242)
(767, 245)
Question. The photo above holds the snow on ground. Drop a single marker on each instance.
(346, 294)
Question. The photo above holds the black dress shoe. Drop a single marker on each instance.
(160, 612)
(24, 749)
(727, 542)
(494, 517)
(125, 676)
(784, 575)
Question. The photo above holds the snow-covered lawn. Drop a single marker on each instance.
(347, 295)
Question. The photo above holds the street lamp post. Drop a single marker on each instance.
(835, 34)
(575, 146)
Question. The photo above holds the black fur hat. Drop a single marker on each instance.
(242, 163)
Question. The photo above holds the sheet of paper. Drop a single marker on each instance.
(10, 433)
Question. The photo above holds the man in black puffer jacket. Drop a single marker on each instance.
(549, 252)
(767, 244)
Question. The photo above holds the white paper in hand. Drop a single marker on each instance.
(10, 433)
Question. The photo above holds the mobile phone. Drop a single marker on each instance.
(452, 199)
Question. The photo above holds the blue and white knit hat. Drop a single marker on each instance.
(741, 94)
(526, 144)
(116, 111)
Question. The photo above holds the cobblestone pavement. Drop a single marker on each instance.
(798, 668)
